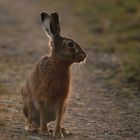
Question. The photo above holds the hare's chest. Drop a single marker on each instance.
(59, 86)
(53, 84)
(51, 109)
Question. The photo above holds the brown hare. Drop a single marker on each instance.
(46, 91)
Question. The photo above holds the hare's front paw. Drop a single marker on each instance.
(58, 134)
(64, 131)
(44, 131)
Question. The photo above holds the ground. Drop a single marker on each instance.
(97, 108)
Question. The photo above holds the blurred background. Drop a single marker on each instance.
(105, 103)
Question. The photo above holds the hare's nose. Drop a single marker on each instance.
(83, 54)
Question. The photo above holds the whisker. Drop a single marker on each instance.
(84, 61)
(80, 67)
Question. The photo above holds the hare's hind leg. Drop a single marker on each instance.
(32, 127)
(43, 124)
(27, 110)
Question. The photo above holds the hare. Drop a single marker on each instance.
(46, 92)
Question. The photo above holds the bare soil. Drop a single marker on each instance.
(97, 110)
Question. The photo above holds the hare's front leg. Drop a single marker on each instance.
(43, 125)
(58, 130)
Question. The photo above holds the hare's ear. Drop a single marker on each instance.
(45, 19)
(54, 24)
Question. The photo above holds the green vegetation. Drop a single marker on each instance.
(115, 26)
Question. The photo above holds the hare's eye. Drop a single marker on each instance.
(70, 44)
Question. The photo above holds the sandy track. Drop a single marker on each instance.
(95, 112)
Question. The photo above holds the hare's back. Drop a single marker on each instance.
(40, 76)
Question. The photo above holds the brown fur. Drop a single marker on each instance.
(46, 91)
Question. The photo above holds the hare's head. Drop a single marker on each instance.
(63, 49)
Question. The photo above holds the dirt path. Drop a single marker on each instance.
(95, 110)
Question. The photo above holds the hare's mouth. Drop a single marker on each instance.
(80, 58)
